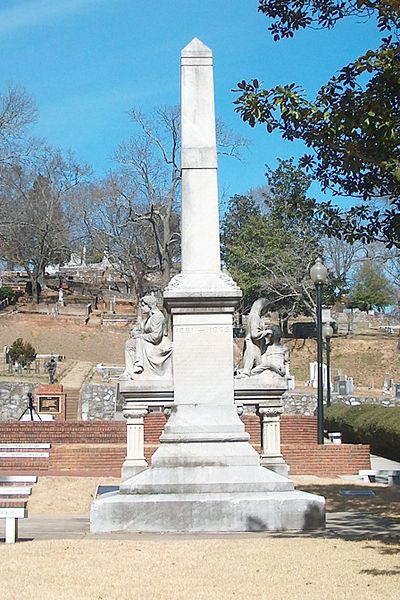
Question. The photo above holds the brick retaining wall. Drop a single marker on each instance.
(296, 429)
(99, 447)
(329, 460)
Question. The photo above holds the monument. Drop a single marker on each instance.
(205, 476)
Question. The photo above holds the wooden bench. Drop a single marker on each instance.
(14, 493)
(392, 476)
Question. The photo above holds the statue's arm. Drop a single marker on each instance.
(257, 332)
(155, 335)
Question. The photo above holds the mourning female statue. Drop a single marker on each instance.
(148, 352)
(256, 337)
(263, 350)
(276, 357)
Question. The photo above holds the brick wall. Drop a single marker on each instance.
(326, 461)
(296, 429)
(99, 447)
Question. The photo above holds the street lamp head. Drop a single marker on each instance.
(327, 331)
(318, 272)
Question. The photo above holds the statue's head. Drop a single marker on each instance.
(260, 306)
(276, 334)
(148, 303)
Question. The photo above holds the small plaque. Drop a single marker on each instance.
(367, 493)
(106, 489)
(49, 405)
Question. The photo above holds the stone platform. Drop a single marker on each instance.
(212, 512)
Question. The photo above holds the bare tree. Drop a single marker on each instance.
(134, 212)
(149, 161)
(341, 258)
(113, 222)
(37, 213)
(17, 112)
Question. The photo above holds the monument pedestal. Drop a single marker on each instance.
(205, 476)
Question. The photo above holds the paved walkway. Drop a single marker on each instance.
(350, 525)
(77, 375)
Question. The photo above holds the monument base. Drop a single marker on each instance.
(210, 487)
(130, 468)
(275, 463)
(209, 512)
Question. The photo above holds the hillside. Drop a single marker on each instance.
(366, 358)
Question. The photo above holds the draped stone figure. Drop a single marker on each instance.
(276, 357)
(256, 337)
(148, 353)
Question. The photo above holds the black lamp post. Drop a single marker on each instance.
(319, 274)
(327, 334)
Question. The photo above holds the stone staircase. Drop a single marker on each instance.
(72, 412)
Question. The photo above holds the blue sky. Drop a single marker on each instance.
(87, 62)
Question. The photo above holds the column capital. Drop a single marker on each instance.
(135, 412)
(270, 411)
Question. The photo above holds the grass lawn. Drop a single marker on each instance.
(200, 567)
(197, 569)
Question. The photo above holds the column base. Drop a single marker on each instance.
(276, 464)
(132, 467)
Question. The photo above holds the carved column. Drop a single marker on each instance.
(135, 461)
(271, 456)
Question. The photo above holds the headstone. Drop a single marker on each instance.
(205, 476)
(313, 370)
(343, 385)
(387, 384)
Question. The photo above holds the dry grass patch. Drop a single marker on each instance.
(66, 336)
(385, 503)
(64, 495)
(200, 569)
(365, 359)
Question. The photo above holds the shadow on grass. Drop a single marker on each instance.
(377, 572)
(384, 503)
(314, 517)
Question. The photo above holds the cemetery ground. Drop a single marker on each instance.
(77, 565)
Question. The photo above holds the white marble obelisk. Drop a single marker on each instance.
(205, 476)
(201, 299)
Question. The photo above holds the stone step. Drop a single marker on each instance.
(72, 412)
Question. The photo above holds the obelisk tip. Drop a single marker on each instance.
(196, 48)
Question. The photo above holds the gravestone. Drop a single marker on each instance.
(205, 476)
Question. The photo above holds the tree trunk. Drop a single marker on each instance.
(35, 289)
(284, 317)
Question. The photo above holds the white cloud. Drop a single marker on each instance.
(30, 13)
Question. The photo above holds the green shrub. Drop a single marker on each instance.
(7, 292)
(21, 352)
(371, 424)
